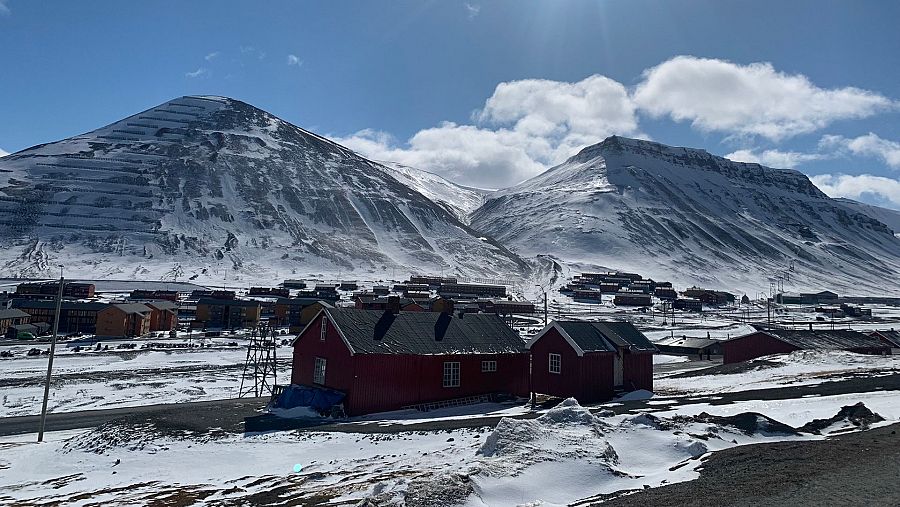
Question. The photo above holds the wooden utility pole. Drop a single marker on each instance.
(50, 362)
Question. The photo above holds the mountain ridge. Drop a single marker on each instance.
(203, 183)
(686, 215)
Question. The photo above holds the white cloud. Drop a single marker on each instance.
(856, 186)
(3, 152)
(294, 60)
(528, 125)
(774, 158)
(4, 9)
(197, 73)
(869, 145)
(211, 56)
(524, 127)
(472, 10)
(748, 100)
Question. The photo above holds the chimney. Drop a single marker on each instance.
(448, 306)
(393, 304)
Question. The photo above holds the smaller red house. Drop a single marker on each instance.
(387, 360)
(783, 341)
(590, 361)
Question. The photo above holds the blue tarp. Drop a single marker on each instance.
(317, 398)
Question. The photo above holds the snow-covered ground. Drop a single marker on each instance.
(565, 455)
(124, 378)
(804, 367)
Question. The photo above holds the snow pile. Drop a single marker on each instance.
(566, 432)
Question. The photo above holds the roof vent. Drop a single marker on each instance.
(441, 325)
(384, 325)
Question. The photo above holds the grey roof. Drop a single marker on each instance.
(892, 336)
(162, 305)
(227, 302)
(825, 339)
(65, 305)
(132, 307)
(687, 341)
(605, 336)
(12, 313)
(296, 301)
(377, 332)
(24, 327)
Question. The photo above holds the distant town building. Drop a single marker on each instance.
(123, 320)
(74, 316)
(270, 292)
(228, 313)
(12, 317)
(153, 295)
(806, 298)
(780, 341)
(72, 290)
(632, 299)
(688, 304)
(163, 315)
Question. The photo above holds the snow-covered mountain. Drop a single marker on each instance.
(887, 216)
(459, 200)
(685, 215)
(213, 188)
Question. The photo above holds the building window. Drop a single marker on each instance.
(323, 329)
(555, 363)
(488, 366)
(319, 371)
(451, 374)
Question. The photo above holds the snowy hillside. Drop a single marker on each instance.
(459, 200)
(214, 188)
(889, 217)
(691, 217)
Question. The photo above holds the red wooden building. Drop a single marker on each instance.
(387, 360)
(783, 341)
(590, 361)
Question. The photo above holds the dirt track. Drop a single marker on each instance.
(854, 469)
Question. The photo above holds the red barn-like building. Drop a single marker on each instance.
(783, 341)
(389, 360)
(590, 361)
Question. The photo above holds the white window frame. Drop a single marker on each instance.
(319, 368)
(554, 360)
(488, 366)
(323, 329)
(451, 373)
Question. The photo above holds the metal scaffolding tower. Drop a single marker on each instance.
(259, 368)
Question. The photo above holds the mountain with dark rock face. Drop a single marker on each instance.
(686, 215)
(213, 188)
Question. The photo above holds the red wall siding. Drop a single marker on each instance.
(597, 377)
(753, 346)
(588, 378)
(638, 371)
(381, 382)
(389, 382)
(338, 369)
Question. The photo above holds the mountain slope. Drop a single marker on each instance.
(686, 215)
(205, 186)
(887, 216)
(459, 200)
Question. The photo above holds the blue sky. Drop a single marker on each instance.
(485, 93)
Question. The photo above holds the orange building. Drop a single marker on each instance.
(163, 315)
(123, 320)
